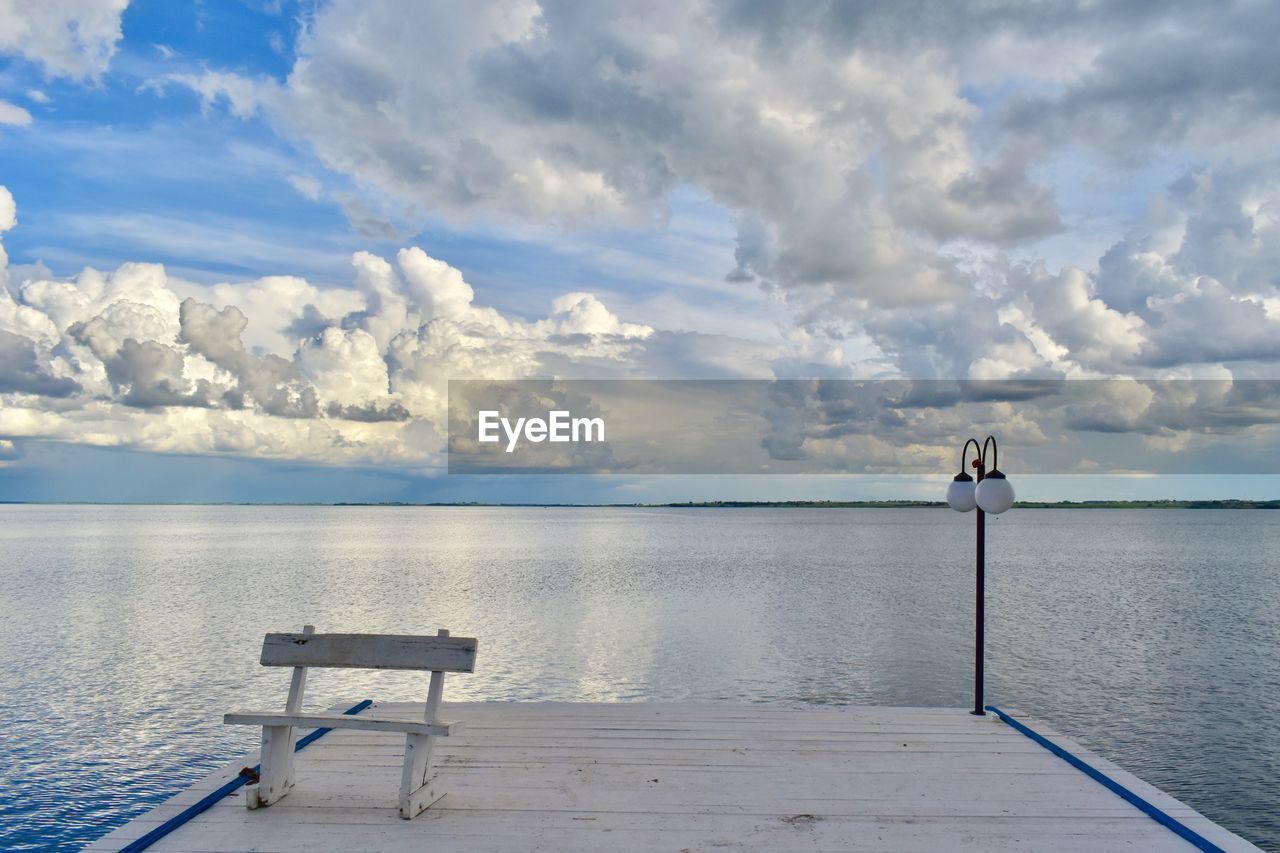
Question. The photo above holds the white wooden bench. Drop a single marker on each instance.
(438, 654)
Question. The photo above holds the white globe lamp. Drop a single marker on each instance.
(995, 493)
(961, 494)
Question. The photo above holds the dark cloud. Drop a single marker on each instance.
(23, 370)
(272, 383)
(145, 374)
(368, 413)
(150, 374)
(1181, 72)
(309, 324)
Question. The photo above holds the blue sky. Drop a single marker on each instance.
(114, 146)
(726, 193)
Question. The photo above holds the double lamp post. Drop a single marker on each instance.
(989, 492)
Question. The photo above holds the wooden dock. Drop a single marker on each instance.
(597, 777)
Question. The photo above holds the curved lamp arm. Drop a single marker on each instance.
(995, 452)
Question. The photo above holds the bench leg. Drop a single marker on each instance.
(276, 774)
(418, 790)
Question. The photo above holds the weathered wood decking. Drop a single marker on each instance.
(594, 777)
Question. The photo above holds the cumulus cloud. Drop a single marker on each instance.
(1067, 309)
(268, 382)
(278, 367)
(1199, 273)
(71, 38)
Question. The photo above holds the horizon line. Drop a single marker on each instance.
(888, 503)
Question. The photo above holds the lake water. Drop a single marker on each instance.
(125, 632)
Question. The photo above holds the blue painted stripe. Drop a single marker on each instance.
(235, 784)
(1115, 787)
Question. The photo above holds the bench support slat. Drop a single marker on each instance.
(276, 774)
(298, 683)
(416, 792)
(422, 799)
(418, 788)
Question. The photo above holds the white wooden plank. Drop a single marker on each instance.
(505, 831)
(499, 830)
(462, 759)
(371, 651)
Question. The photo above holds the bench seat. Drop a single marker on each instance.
(339, 721)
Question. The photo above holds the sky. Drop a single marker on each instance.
(246, 244)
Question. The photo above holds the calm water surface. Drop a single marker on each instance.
(125, 632)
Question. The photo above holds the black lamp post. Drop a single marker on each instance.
(992, 493)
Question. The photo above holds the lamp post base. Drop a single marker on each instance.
(978, 713)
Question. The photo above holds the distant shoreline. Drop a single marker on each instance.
(1170, 504)
(887, 504)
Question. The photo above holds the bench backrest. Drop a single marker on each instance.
(371, 651)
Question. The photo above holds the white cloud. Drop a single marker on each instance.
(307, 186)
(8, 210)
(241, 95)
(345, 366)
(13, 114)
(1070, 314)
(69, 38)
